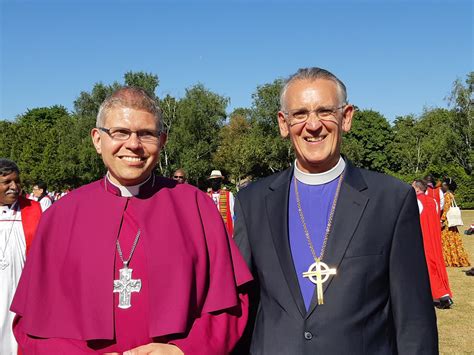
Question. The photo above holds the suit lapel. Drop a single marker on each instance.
(277, 210)
(349, 209)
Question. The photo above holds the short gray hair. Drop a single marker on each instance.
(7, 167)
(312, 74)
(421, 184)
(130, 97)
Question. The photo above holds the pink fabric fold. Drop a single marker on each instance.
(66, 290)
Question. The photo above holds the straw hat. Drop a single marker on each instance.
(216, 174)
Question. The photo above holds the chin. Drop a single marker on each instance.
(10, 201)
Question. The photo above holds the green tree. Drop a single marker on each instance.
(405, 150)
(147, 81)
(462, 102)
(437, 138)
(7, 138)
(169, 107)
(34, 146)
(275, 153)
(88, 103)
(194, 138)
(240, 151)
(365, 144)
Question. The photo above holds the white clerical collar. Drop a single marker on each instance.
(127, 191)
(321, 178)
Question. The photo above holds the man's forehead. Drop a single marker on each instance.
(311, 90)
(12, 176)
(130, 114)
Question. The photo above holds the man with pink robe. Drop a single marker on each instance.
(133, 262)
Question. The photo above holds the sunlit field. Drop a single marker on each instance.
(456, 325)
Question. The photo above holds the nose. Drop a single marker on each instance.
(133, 142)
(14, 185)
(313, 122)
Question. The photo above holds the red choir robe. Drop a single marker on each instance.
(434, 192)
(224, 209)
(190, 272)
(431, 231)
(30, 216)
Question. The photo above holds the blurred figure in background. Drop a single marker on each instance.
(40, 193)
(19, 218)
(180, 176)
(453, 249)
(435, 192)
(223, 198)
(431, 231)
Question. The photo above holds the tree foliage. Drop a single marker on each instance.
(276, 152)
(54, 145)
(462, 101)
(367, 140)
(239, 151)
(200, 114)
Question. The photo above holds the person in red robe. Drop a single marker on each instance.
(223, 198)
(431, 231)
(435, 192)
(133, 263)
(19, 219)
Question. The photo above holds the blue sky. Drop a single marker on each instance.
(396, 57)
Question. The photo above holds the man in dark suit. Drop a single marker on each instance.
(337, 250)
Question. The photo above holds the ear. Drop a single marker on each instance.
(283, 125)
(95, 135)
(347, 118)
(163, 139)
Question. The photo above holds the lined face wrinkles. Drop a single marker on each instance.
(316, 141)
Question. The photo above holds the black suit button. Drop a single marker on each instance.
(308, 335)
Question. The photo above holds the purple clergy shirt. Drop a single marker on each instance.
(316, 203)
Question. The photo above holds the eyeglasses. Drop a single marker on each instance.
(178, 177)
(301, 115)
(123, 134)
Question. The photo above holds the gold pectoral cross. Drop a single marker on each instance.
(318, 273)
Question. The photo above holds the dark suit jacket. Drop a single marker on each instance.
(378, 303)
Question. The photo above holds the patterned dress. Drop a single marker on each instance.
(453, 250)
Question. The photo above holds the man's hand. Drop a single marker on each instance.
(155, 349)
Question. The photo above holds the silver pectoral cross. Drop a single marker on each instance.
(125, 286)
(315, 273)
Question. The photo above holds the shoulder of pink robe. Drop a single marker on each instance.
(66, 288)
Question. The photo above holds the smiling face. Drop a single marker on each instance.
(317, 143)
(129, 162)
(9, 188)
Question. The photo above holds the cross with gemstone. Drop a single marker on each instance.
(318, 273)
(125, 286)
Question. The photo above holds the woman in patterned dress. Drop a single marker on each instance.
(453, 250)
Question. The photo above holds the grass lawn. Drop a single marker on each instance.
(456, 325)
